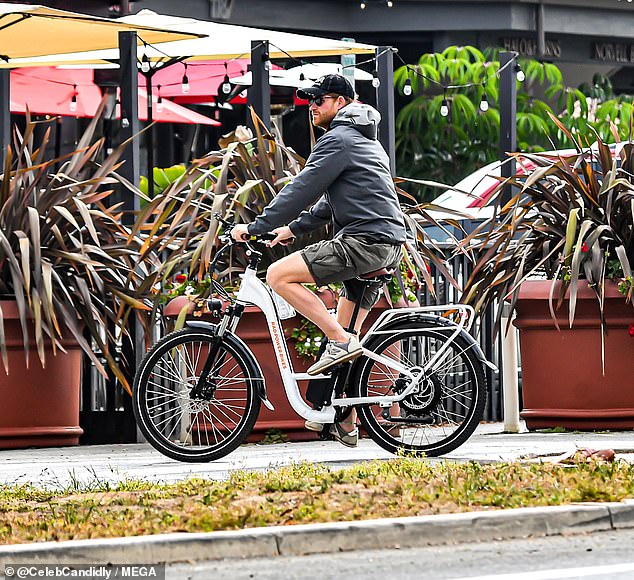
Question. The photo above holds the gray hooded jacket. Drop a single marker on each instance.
(348, 177)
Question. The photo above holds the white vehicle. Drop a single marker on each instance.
(472, 195)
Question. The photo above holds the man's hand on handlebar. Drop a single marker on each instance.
(240, 233)
(283, 236)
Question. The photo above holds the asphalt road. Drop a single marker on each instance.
(600, 556)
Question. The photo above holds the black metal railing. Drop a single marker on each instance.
(461, 267)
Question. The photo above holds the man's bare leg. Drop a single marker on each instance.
(345, 308)
(286, 277)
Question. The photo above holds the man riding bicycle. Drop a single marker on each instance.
(347, 178)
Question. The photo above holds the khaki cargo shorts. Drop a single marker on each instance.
(344, 258)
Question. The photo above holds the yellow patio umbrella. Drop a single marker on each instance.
(218, 41)
(28, 31)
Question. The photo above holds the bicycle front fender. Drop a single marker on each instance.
(201, 324)
(245, 351)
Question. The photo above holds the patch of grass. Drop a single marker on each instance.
(300, 493)
(560, 429)
(272, 436)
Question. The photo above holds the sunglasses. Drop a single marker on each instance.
(319, 100)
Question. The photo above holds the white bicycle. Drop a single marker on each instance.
(419, 387)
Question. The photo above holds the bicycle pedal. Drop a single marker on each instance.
(326, 435)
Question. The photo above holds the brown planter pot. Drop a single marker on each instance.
(562, 380)
(253, 330)
(40, 406)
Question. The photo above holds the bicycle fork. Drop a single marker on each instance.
(229, 320)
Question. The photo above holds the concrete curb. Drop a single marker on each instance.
(331, 537)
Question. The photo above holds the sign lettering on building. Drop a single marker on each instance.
(220, 9)
(613, 52)
(528, 46)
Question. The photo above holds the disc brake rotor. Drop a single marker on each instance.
(426, 399)
(190, 405)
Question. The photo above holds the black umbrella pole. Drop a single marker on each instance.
(150, 137)
(58, 140)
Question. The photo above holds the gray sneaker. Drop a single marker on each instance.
(335, 354)
(347, 438)
(314, 426)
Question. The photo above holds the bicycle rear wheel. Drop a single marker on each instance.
(449, 403)
(202, 429)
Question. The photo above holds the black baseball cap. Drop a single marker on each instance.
(329, 84)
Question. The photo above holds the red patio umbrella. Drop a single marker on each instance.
(205, 80)
(73, 93)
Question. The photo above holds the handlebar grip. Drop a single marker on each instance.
(262, 237)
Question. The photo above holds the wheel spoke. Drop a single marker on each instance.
(182, 427)
(450, 398)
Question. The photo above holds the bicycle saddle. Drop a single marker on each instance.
(382, 275)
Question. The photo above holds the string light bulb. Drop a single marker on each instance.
(145, 63)
(73, 100)
(407, 87)
(484, 103)
(185, 82)
(444, 108)
(519, 73)
(389, 3)
(267, 61)
(362, 5)
(226, 85)
(159, 101)
(376, 83)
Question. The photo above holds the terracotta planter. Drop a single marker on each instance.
(562, 379)
(252, 329)
(40, 406)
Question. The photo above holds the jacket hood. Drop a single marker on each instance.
(363, 118)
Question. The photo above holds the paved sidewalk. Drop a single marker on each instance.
(85, 464)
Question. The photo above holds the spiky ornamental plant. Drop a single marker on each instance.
(65, 258)
(570, 217)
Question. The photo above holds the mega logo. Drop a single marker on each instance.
(277, 343)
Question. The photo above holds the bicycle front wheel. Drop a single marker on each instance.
(448, 404)
(200, 429)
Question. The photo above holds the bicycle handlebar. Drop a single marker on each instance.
(228, 240)
(252, 238)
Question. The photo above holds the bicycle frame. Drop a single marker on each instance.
(254, 291)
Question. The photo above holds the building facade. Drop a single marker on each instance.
(581, 36)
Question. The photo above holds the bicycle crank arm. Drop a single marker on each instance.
(429, 420)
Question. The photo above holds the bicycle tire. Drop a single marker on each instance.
(197, 430)
(447, 410)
